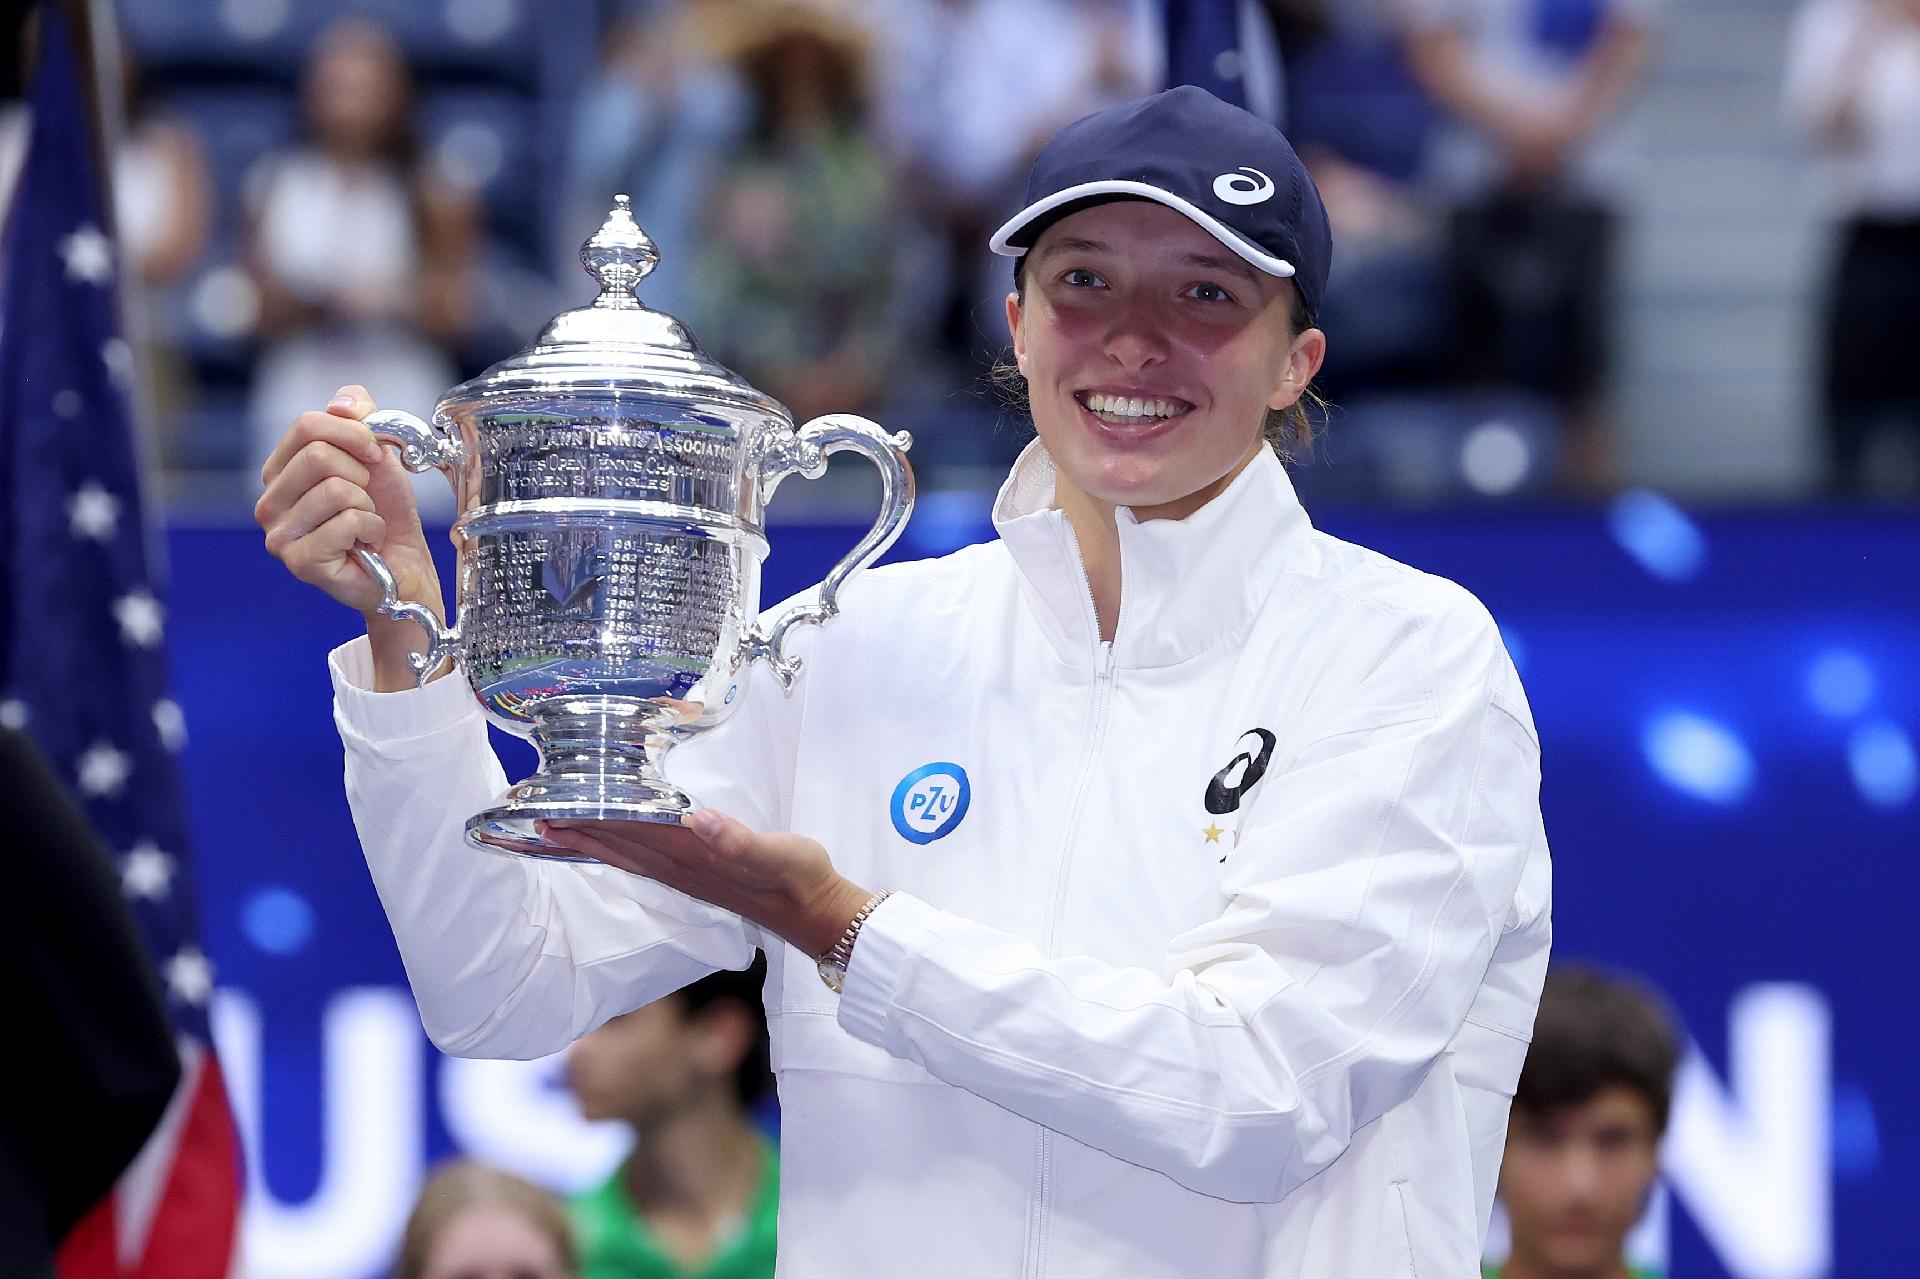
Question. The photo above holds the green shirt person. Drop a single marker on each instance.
(699, 1196)
(615, 1241)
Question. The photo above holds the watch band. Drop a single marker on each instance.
(833, 965)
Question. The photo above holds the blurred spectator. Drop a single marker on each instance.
(1583, 1141)
(1535, 176)
(162, 188)
(1362, 126)
(795, 285)
(163, 209)
(700, 1193)
(967, 91)
(476, 1222)
(656, 121)
(360, 253)
(1853, 90)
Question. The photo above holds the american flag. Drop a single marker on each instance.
(83, 660)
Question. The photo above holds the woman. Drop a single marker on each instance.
(796, 276)
(1853, 92)
(1219, 897)
(360, 252)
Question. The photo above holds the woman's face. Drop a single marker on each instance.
(1130, 301)
(356, 90)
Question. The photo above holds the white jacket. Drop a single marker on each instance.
(1222, 964)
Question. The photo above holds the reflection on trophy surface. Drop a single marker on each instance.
(610, 486)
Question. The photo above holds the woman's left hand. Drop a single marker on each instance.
(785, 883)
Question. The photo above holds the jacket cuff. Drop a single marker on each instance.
(894, 934)
(413, 712)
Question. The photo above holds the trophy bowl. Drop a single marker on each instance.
(610, 487)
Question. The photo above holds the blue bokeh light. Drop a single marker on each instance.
(1856, 1133)
(1885, 769)
(1698, 756)
(1840, 683)
(277, 920)
(1662, 538)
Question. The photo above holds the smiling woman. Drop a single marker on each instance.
(1159, 888)
(1291, 431)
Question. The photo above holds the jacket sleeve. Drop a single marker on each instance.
(513, 956)
(1365, 897)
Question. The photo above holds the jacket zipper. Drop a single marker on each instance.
(1039, 1221)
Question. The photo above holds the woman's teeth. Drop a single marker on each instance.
(1132, 408)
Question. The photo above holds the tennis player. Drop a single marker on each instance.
(1156, 890)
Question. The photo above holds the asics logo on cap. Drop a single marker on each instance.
(1238, 188)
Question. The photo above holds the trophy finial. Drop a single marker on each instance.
(619, 256)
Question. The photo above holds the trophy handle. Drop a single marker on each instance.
(422, 448)
(806, 451)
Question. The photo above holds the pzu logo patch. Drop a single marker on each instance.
(930, 801)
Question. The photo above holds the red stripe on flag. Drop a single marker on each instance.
(196, 1225)
(88, 1251)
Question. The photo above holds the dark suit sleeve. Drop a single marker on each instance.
(92, 1057)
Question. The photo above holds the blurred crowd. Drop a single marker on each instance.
(396, 195)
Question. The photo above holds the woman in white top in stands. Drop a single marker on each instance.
(1853, 93)
(361, 254)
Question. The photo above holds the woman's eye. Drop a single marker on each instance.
(1206, 292)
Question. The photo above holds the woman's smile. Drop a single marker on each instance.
(1123, 417)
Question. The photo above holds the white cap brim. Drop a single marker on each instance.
(1213, 226)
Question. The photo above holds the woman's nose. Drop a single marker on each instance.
(1136, 338)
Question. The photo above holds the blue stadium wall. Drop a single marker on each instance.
(1729, 706)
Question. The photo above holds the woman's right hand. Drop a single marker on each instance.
(331, 486)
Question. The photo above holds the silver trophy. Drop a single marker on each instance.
(610, 487)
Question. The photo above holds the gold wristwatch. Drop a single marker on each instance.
(833, 964)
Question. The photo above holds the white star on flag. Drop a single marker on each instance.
(93, 512)
(147, 872)
(103, 769)
(140, 617)
(13, 713)
(172, 725)
(88, 255)
(189, 976)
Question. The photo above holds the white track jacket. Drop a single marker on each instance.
(1214, 951)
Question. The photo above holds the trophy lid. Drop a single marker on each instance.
(616, 341)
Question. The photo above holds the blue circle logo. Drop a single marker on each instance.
(930, 801)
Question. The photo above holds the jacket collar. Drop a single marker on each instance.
(1186, 585)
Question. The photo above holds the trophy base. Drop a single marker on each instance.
(603, 775)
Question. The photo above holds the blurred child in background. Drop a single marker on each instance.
(476, 1222)
(1583, 1140)
(699, 1194)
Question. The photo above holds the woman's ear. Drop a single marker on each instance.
(1018, 331)
(1304, 358)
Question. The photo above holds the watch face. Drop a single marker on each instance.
(833, 974)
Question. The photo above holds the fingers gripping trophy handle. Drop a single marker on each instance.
(806, 451)
(422, 448)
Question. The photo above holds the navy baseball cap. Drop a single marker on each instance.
(1231, 172)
